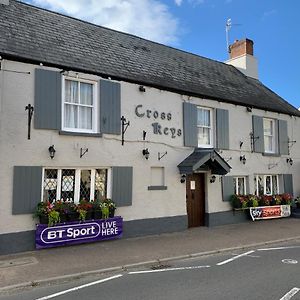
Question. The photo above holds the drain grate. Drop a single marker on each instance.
(158, 267)
(17, 262)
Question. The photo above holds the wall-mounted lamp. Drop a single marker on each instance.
(213, 179)
(142, 89)
(249, 109)
(51, 151)
(146, 153)
(289, 161)
(243, 159)
(183, 178)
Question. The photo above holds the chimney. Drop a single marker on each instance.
(4, 2)
(241, 56)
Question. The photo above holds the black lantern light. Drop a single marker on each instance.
(51, 151)
(146, 153)
(213, 179)
(243, 159)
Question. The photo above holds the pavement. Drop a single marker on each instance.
(67, 263)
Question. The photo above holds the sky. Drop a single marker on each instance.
(198, 26)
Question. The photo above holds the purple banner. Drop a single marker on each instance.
(71, 233)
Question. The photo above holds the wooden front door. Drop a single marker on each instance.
(195, 199)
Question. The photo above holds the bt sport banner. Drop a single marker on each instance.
(270, 212)
(72, 233)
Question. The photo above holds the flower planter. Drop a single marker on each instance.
(43, 219)
(97, 214)
(73, 216)
(112, 212)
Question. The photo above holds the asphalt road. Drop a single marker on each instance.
(265, 273)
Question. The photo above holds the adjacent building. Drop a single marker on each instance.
(87, 111)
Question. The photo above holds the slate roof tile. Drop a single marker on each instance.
(37, 35)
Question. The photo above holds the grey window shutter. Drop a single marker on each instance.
(190, 125)
(110, 107)
(47, 99)
(27, 186)
(283, 138)
(288, 183)
(122, 185)
(227, 187)
(258, 133)
(222, 130)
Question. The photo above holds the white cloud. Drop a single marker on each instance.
(178, 2)
(269, 13)
(150, 19)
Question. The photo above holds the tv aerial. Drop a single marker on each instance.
(228, 26)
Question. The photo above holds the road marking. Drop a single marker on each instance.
(234, 258)
(168, 269)
(278, 248)
(79, 287)
(290, 261)
(290, 294)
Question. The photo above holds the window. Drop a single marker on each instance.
(239, 185)
(79, 106)
(269, 135)
(266, 184)
(76, 184)
(204, 124)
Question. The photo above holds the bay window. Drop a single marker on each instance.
(76, 184)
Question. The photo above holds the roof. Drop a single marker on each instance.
(203, 160)
(37, 35)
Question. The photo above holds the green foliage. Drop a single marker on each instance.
(53, 218)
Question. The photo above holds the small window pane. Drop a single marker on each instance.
(268, 185)
(100, 184)
(203, 117)
(259, 183)
(86, 93)
(50, 185)
(204, 136)
(275, 185)
(268, 143)
(71, 91)
(85, 117)
(85, 185)
(71, 116)
(68, 184)
(241, 186)
(267, 127)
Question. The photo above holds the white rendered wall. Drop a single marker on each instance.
(17, 91)
(247, 64)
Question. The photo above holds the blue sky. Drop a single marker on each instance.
(198, 26)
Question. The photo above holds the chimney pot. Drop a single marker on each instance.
(4, 2)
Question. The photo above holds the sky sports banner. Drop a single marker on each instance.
(72, 233)
(270, 212)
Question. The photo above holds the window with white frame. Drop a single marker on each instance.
(76, 184)
(239, 185)
(205, 127)
(269, 135)
(266, 184)
(79, 105)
